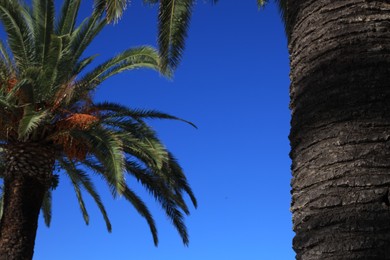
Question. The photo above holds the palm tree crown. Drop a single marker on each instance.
(46, 99)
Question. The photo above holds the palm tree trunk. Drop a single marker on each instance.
(340, 128)
(27, 177)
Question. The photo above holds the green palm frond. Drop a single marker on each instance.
(6, 58)
(177, 174)
(67, 18)
(113, 8)
(30, 121)
(140, 206)
(47, 207)
(149, 150)
(141, 57)
(18, 32)
(43, 15)
(83, 35)
(174, 19)
(137, 114)
(107, 147)
(79, 177)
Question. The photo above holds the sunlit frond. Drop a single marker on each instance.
(174, 20)
(67, 17)
(141, 57)
(43, 15)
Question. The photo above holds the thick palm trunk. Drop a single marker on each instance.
(340, 136)
(27, 178)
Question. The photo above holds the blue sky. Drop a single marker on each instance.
(233, 84)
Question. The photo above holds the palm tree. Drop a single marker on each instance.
(340, 91)
(49, 122)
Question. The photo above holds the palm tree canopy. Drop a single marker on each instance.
(46, 97)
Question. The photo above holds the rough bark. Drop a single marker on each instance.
(340, 128)
(27, 177)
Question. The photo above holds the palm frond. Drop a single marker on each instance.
(180, 179)
(140, 206)
(83, 35)
(282, 4)
(80, 177)
(76, 187)
(174, 20)
(30, 121)
(148, 150)
(43, 15)
(47, 207)
(141, 57)
(6, 58)
(137, 114)
(107, 147)
(18, 32)
(113, 8)
(67, 17)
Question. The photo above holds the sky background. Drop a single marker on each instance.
(233, 84)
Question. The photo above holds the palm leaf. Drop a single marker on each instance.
(67, 17)
(137, 114)
(6, 57)
(141, 57)
(83, 35)
(18, 32)
(142, 210)
(43, 15)
(108, 148)
(174, 19)
(113, 8)
(30, 121)
(46, 207)
(80, 177)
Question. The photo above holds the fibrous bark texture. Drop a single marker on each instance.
(340, 128)
(27, 177)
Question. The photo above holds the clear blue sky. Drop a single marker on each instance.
(233, 84)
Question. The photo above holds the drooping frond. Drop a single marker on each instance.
(108, 148)
(122, 111)
(80, 177)
(169, 198)
(174, 20)
(140, 206)
(46, 207)
(282, 4)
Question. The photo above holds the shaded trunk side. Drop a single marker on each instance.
(340, 128)
(27, 177)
